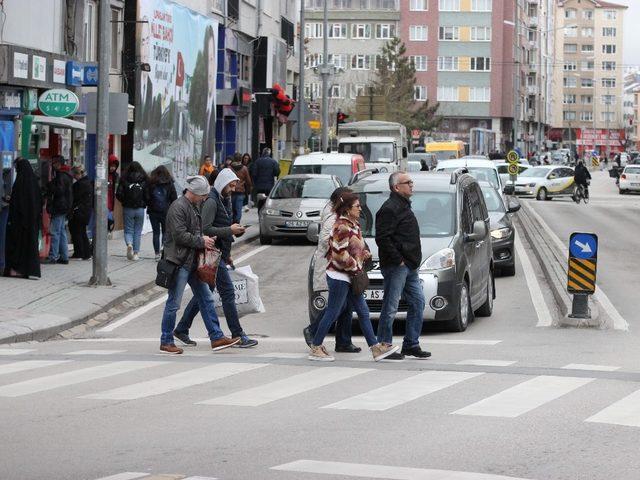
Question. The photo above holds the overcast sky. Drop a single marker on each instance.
(631, 32)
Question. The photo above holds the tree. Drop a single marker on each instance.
(198, 93)
(396, 81)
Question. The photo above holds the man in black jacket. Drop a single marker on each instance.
(398, 240)
(264, 172)
(59, 203)
(81, 213)
(582, 177)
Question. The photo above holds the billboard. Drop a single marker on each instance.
(175, 115)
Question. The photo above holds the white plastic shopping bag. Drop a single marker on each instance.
(247, 289)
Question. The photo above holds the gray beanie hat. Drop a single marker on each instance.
(198, 185)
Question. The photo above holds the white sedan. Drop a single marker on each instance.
(630, 179)
(546, 182)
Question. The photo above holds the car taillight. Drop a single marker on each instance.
(355, 165)
(623, 176)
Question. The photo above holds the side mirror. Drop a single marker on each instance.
(509, 190)
(514, 206)
(313, 232)
(479, 232)
(405, 152)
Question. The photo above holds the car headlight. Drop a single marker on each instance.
(445, 258)
(271, 211)
(500, 233)
(531, 185)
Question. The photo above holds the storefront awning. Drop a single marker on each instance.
(59, 122)
(227, 97)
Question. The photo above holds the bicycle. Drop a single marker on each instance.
(581, 193)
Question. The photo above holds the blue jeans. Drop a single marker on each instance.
(339, 295)
(201, 295)
(343, 327)
(4, 217)
(399, 280)
(158, 221)
(228, 298)
(237, 202)
(133, 221)
(59, 249)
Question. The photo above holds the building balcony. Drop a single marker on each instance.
(533, 67)
(532, 22)
(532, 89)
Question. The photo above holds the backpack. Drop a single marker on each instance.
(135, 195)
(159, 201)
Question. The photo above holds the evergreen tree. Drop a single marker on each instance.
(198, 93)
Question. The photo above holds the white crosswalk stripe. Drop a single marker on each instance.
(403, 391)
(125, 476)
(72, 378)
(624, 412)
(96, 352)
(287, 387)
(175, 382)
(15, 351)
(28, 365)
(594, 368)
(487, 363)
(524, 397)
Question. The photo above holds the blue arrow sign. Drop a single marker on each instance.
(583, 245)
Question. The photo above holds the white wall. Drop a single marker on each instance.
(34, 24)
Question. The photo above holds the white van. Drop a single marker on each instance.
(342, 165)
(479, 168)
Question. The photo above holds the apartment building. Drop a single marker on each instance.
(588, 109)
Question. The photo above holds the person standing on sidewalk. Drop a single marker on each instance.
(5, 197)
(400, 252)
(242, 189)
(159, 195)
(207, 167)
(59, 204)
(217, 222)
(114, 163)
(347, 254)
(184, 240)
(264, 172)
(81, 213)
(343, 327)
(131, 194)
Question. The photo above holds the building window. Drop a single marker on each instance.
(587, 65)
(338, 30)
(609, 82)
(91, 30)
(360, 62)
(418, 33)
(568, 116)
(313, 30)
(586, 82)
(244, 68)
(447, 94)
(419, 93)
(116, 47)
(570, 66)
(586, 48)
(570, 32)
(449, 5)
(480, 34)
(609, 49)
(586, 32)
(361, 31)
(570, 48)
(419, 62)
(358, 90)
(480, 5)
(586, 99)
(418, 5)
(447, 64)
(587, 14)
(608, 66)
(586, 116)
(610, 15)
(480, 94)
(449, 33)
(313, 60)
(339, 60)
(608, 99)
(480, 64)
(569, 99)
(569, 82)
(607, 116)
(312, 90)
(335, 91)
(609, 31)
(570, 13)
(385, 31)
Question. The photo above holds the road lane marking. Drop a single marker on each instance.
(72, 378)
(524, 397)
(125, 476)
(404, 391)
(250, 254)
(287, 387)
(487, 363)
(96, 352)
(28, 365)
(619, 323)
(281, 355)
(624, 412)
(595, 368)
(537, 298)
(387, 472)
(300, 340)
(175, 382)
(15, 351)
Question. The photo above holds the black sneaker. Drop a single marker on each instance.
(246, 342)
(184, 338)
(394, 357)
(351, 348)
(62, 262)
(307, 336)
(416, 352)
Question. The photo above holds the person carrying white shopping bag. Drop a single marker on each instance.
(247, 292)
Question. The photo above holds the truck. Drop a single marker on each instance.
(382, 144)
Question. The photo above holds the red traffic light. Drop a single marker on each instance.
(342, 117)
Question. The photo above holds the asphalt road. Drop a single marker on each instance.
(505, 399)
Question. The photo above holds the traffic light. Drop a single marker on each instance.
(340, 118)
(281, 101)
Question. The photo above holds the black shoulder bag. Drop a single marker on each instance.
(166, 273)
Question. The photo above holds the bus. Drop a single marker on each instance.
(446, 150)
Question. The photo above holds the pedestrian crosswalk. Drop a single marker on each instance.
(149, 476)
(369, 389)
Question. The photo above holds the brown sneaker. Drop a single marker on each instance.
(224, 342)
(320, 354)
(170, 348)
(383, 350)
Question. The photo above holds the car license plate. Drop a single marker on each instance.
(296, 223)
(635, 184)
(373, 294)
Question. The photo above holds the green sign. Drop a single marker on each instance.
(58, 102)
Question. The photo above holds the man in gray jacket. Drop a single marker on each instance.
(182, 241)
(217, 221)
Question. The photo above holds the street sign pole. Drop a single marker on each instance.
(301, 100)
(581, 273)
(513, 158)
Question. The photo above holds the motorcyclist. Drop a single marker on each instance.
(582, 177)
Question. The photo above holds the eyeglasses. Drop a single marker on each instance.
(408, 182)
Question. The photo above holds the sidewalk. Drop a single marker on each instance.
(62, 297)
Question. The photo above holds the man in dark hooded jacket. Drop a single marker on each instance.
(59, 204)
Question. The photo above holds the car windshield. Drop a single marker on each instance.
(493, 200)
(343, 172)
(304, 188)
(381, 152)
(479, 173)
(435, 212)
(445, 154)
(535, 172)
(632, 170)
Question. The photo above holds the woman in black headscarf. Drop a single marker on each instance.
(25, 218)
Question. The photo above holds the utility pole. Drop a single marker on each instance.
(325, 71)
(301, 100)
(99, 276)
(518, 66)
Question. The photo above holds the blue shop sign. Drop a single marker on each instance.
(90, 75)
(75, 73)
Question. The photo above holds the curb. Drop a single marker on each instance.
(47, 326)
(554, 266)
